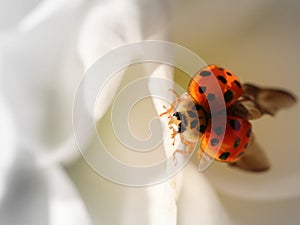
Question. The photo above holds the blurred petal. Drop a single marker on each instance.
(108, 25)
(33, 80)
(111, 24)
(34, 196)
(248, 212)
(45, 10)
(11, 12)
(114, 23)
(193, 29)
(198, 203)
(25, 200)
(31, 83)
(8, 140)
(65, 205)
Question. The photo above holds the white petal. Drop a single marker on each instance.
(25, 200)
(29, 77)
(8, 142)
(45, 10)
(33, 79)
(11, 12)
(114, 23)
(34, 196)
(163, 205)
(108, 25)
(65, 205)
(198, 203)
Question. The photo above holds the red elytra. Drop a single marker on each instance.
(203, 87)
(236, 137)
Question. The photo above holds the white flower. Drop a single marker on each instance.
(47, 46)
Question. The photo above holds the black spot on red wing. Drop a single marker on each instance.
(222, 79)
(210, 97)
(249, 132)
(201, 89)
(246, 145)
(192, 114)
(228, 96)
(214, 141)
(224, 155)
(201, 128)
(235, 124)
(237, 83)
(198, 107)
(194, 123)
(237, 142)
(228, 73)
(205, 73)
(219, 130)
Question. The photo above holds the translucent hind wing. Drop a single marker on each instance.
(257, 101)
(269, 100)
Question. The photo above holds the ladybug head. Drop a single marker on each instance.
(181, 118)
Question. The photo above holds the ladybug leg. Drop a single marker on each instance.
(179, 151)
(189, 147)
(168, 111)
(172, 106)
(188, 150)
(175, 93)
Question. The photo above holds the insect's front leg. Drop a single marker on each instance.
(172, 106)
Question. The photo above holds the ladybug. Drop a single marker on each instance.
(214, 115)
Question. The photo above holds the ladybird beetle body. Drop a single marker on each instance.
(192, 116)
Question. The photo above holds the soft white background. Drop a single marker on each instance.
(45, 47)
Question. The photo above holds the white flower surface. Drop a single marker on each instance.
(45, 48)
